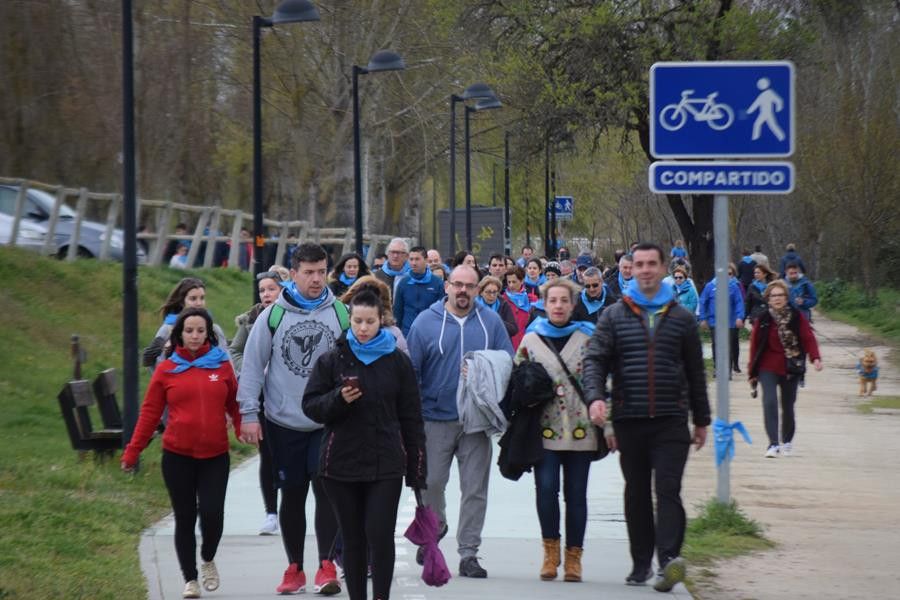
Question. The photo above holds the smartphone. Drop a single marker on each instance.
(350, 381)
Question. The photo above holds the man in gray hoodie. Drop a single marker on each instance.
(438, 339)
(283, 345)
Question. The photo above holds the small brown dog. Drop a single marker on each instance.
(868, 373)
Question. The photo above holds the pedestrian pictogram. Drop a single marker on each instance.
(767, 104)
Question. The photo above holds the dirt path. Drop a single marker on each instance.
(833, 507)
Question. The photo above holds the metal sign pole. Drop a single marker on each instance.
(723, 324)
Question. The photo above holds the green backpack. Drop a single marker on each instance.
(340, 309)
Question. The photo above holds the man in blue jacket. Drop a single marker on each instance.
(735, 320)
(416, 291)
(790, 256)
(803, 294)
(438, 338)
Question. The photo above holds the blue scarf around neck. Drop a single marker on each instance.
(419, 278)
(389, 271)
(747, 260)
(211, 360)
(520, 299)
(681, 288)
(760, 285)
(591, 305)
(494, 307)
(348, 281)
(623, 283)
(543, 327)
(170, 319)
(535, 282)
(538, 305)
(291, 288)
(368, 352)
(665, 295)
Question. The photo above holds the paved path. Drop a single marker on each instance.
(251, 565)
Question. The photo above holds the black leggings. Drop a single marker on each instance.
(196, 485)
(367, 513)
(266, 477)
(292, 517)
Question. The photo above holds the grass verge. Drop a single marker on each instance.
(880, 316)
(70, 528)
(869, 406)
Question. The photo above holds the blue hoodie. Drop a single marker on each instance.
(412, 298)
(708, 302)
(436, 346)
(803, 288)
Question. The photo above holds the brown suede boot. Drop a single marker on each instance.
(551, 559)
(572, 567)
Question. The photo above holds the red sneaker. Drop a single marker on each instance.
(294, 581)
(327, 582)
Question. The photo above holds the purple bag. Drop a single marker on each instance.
(423, 531)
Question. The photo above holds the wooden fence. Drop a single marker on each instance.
(210, 223)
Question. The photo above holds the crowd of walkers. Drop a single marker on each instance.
(354, 380)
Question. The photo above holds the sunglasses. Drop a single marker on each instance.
(679, 278)
(268, 275)
(591, 286)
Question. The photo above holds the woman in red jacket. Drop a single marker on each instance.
(197, 384)
(518, 300)
(781, 336)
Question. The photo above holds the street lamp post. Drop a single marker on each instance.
(384, 60)
(484, 104)
(507, 226)
(289, 11)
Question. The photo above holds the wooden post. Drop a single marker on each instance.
(162, 236)
(111, 215)
(72, 254)
(50, 243)
(17, 213)
(234, 255)
(198, 236)
(282, 244)
(211, 238)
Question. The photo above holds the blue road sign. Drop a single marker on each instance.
(721, 177)
(722, 109)
(564, 207)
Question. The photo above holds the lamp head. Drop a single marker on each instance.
(294, 11)
(478, 91)
(385, 60)
(488, 103)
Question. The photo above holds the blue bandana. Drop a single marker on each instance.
(348, 281)
(416, 278)
(723, 433)
(539, 305)
(291, 288)
(494, 307)
(681, 288)
(535, 282)
(170, 319)
(747, 260)
(543, 327)
(623, 283)
(520, 299)
(389, 271)
(662, 297)
(211, 360)
(760, 285)
(378, 346)
(593, 306)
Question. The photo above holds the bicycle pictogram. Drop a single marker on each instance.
(717, 115)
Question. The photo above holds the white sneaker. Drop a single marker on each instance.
(772, 452)
(191, 589)
(270, 525)
(787, 449)
(209, 575)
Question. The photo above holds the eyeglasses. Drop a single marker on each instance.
(679, 278)
(459, 285)
(779, 295)
(491, 292)
(591, 286)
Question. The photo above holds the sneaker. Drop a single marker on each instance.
(469, 567)
(420, 553)
(293, 582)
(270, 525)
(786, 449)
(326, 581)
(639, 576)
(671, 574)
(191, 589)
(209, 576)
(772, 452)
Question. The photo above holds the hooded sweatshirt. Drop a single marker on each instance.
(437, 344)
(279, 365)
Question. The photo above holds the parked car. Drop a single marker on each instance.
(39, 206)
(31, 235)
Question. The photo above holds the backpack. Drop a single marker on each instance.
(340, 310)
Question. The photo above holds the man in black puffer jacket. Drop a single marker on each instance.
(651, 347)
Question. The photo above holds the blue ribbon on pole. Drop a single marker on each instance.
(723, 433)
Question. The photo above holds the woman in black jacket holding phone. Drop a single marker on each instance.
(365, 393)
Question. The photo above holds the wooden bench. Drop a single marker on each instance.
(105, 387)
(74, 401)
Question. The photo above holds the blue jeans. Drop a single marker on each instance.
(575, 468)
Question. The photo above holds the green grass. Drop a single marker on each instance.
(719, 531)
(69, 528)
(846, 302)
(867, 407)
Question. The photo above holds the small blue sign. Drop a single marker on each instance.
(687, 177)
(722, 109)
(564, 207)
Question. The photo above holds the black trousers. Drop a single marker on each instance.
(196, 486)
(367, 513)
(658, 449)
(266, 477)
(734, 348)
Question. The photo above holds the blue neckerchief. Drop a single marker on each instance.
(291, 288)
(723, 433)
(494, 307)
(538, 305)
(681, 288)
(389, 271)
(535, 283)
(623, 283)
(378, 346)
(348, 281)
(747, 260)
(662, 297)
(760, 285)
(415, 278)
(170, 319)
(520, 299)
(593, 306)
(543, 327)
(211, 360)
